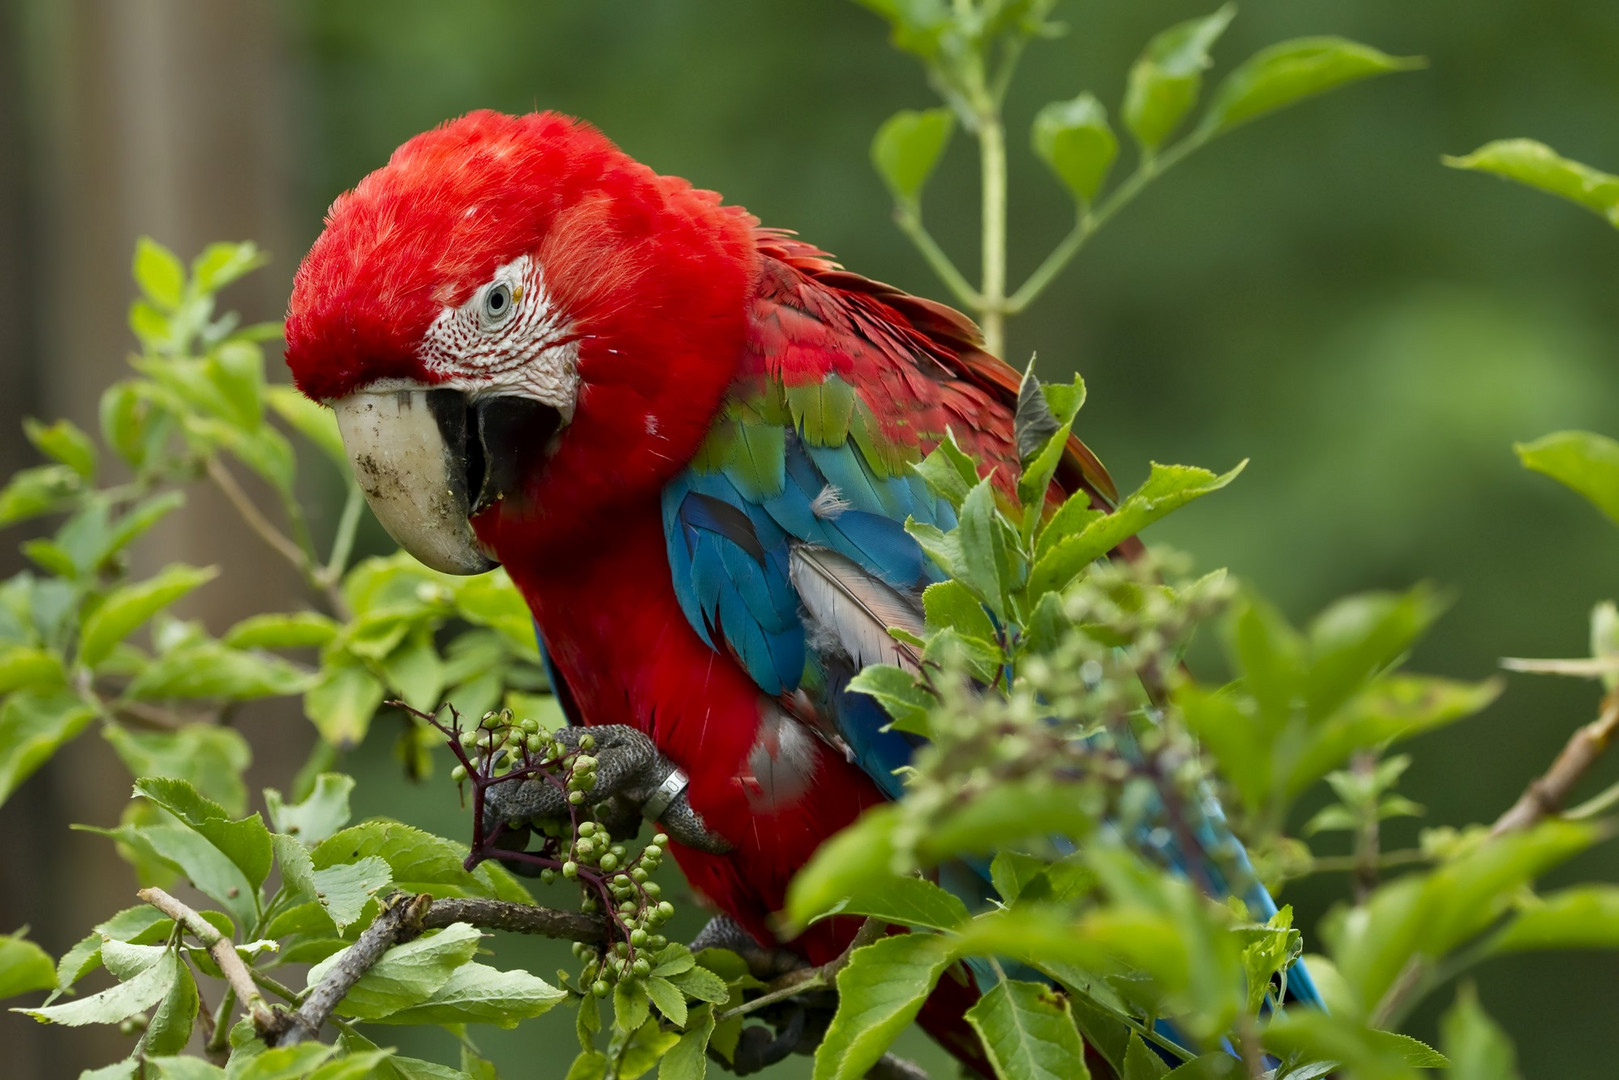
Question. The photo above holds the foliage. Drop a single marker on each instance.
(1069, 756)
(971, 52)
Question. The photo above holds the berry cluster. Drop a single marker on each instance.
(577, 847)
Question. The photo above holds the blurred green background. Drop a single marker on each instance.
(1314, 292)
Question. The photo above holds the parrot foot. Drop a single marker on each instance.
(633, 779)
(764, 963)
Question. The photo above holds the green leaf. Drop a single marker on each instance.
(1074, 140)
(415, 670)
(1028, 1032)
(1580, 917)
(1476, 1047)
(631, 1006)
(907, 901)
(842, 866)
(116, 1003)
(32, 492)
(948, 472)
(211, 758)
(33, 726)
(65, 442)
(161, 276)
(342, 703)
(701, 984)
(169, 1027)
(985, 563)
(281, 1062)
(1586, 463)
(24, 966)
(1167, 488)
(1031, 808)
(127, 607)
(1165, 81)
(950, 604)
(1314, 1036)
(906, 700)
(188, 852)
(320, 815)
(688, 1058)
(420, 861)
(362, 1066)
(312, 421)
(294, 630)
(1434, 913)
(880, 991)
(21, 667)
(1141, 1063)
(1538, 166)
(184, 1068)
(245, 842)
(908, 147)
(407, 974)
(342, 890)
(1291, 71)
(669, 1000)
(212, 669)
(222, 263)
(478, 994)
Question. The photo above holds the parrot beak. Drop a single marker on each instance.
(430, 460)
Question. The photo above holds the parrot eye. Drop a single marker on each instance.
(497, 304)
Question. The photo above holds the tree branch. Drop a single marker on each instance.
(1545, 795)
(278, 540)
(517, 918)
(400, 915)
(221, 948)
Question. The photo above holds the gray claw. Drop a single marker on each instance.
(630, 775)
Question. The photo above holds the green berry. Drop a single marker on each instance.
(587, 742)
(638, 874)
(653, 852)
(658, 942)
(609, 861)
(587, 828)
(600, 988)
(642, 967)
(575, 798)
(570, 869)
(531, 726)
(459, 773)
(661, 839)
(584, 849)
(638, 938)
(652, 889)
(666, 909)
(548, 876)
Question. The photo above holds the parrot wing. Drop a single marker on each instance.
(786, 533)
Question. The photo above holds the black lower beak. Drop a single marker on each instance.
(501, 442)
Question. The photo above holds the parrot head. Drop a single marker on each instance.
(519, 329)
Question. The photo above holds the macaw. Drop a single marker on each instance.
(689, 440)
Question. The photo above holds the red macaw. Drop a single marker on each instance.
(688, 439)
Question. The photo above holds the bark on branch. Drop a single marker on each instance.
(221, 948)
(1546, 794)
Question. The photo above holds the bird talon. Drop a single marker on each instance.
(633, 779)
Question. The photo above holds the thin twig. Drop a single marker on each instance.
(1545, 795)
(1590, 667)
(282, 544)
(221, 948)
(400, 913)
(805, 979)
(909, 220)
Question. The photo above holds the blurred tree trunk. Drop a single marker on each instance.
(157, 117)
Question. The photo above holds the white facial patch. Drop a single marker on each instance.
(507, 338)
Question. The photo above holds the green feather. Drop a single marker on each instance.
(758, 459)
(821, 411)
